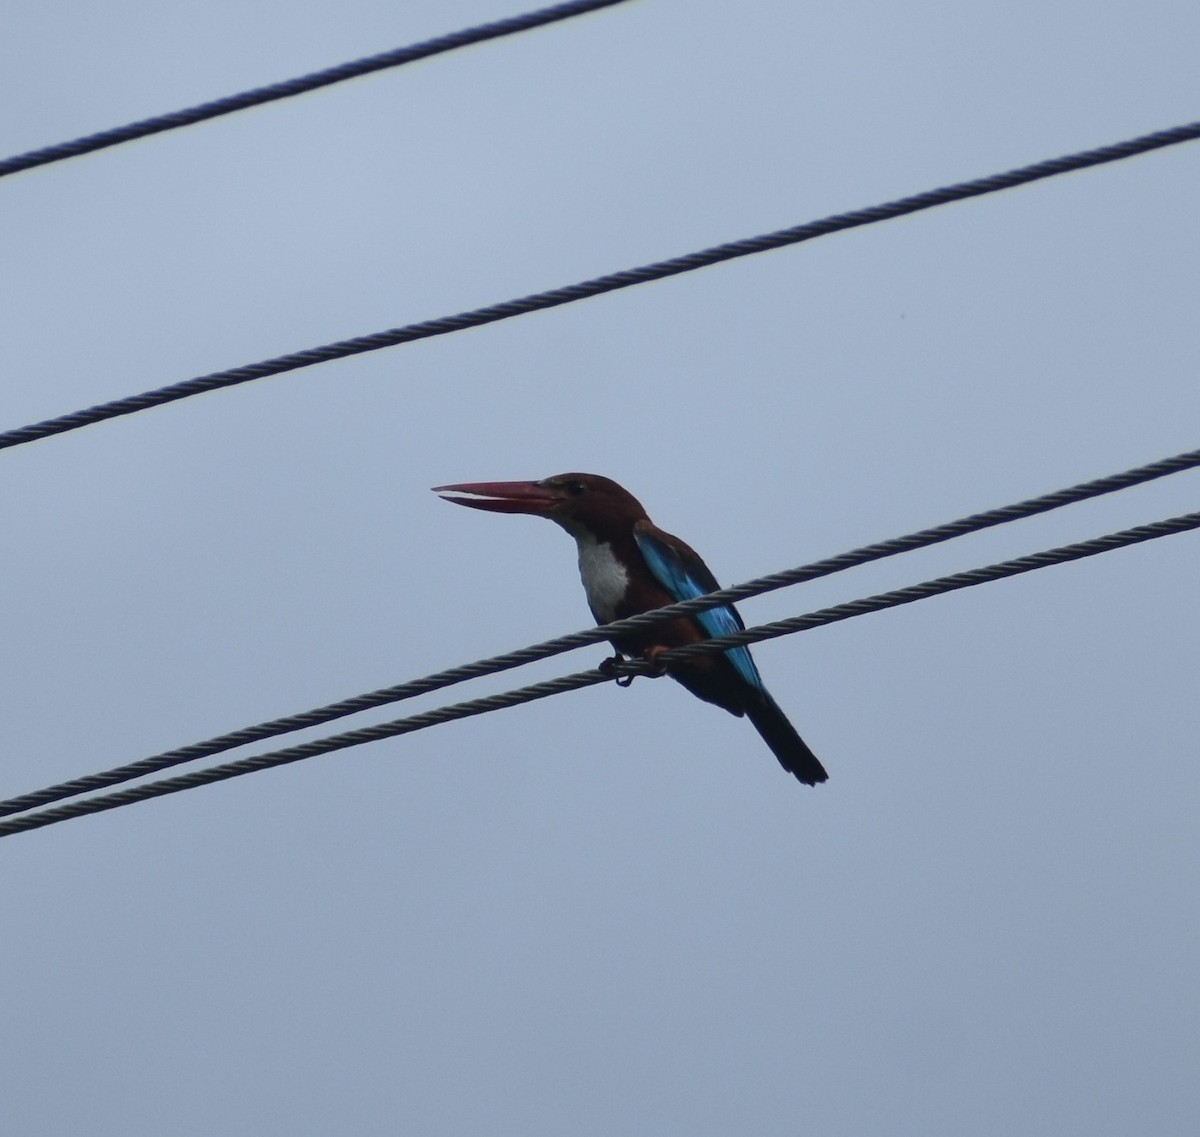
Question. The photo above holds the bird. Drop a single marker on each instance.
(629, 565)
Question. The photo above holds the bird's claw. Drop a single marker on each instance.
(609, 667)
(650, 656)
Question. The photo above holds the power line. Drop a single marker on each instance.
(289, 87)
(923, 538)
(552, 298)
(877, 603)
(1064, 554)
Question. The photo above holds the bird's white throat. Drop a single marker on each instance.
(604, 577)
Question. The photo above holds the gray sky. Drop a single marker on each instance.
(609, 912)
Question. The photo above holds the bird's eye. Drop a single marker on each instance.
(575, 488)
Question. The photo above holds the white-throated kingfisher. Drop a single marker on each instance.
(628, 566)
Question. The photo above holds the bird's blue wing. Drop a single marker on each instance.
(683, 581)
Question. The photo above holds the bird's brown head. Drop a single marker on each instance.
(578, 502)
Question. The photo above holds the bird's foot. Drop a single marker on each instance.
(609, 667)
(612, 666)
(651, 655)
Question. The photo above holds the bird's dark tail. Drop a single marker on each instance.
(779, 734)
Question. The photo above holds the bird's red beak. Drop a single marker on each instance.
(502, 497)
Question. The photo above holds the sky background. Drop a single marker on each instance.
(611, 911)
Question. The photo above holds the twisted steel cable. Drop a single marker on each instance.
(539, 301)
(879, 602)
(303, 750)
(479, 668)
(937, 587)
(298, 86)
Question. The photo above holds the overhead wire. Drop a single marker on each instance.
(273, 92)
(534, 302)
(658, 270)
(879, 602)
(877, 551)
